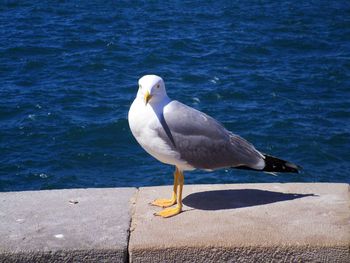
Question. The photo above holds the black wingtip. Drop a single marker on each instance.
(273, 164)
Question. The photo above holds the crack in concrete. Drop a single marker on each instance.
(132, 223)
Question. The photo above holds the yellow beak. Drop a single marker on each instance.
(147, 97)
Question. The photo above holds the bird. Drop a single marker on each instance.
(188, 139)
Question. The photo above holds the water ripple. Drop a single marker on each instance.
(276, 72)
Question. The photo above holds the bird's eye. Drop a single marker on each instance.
(158, 86)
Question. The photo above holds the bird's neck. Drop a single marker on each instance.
(158, 104)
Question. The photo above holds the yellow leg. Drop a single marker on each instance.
(171, 211)
(172, 201)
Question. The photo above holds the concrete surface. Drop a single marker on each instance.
(245, 223)
(221, 223)
(77, 225)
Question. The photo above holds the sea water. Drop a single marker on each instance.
(275, 72)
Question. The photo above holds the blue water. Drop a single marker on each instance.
(274, 72)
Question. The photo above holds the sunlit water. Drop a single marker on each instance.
(275, 72)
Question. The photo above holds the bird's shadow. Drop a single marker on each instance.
(237, 198)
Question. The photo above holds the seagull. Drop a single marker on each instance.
(188, 139)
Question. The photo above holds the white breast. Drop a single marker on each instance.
(143, 122)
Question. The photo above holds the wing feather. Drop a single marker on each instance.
(203, 142)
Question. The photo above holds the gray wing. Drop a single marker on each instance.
(203, 142)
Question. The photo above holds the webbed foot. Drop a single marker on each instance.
(164, 202)
(169, 212)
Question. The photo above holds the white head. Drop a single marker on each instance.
(151, 89)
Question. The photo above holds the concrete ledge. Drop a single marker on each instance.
(90, 225)
(221, 223)
(245, 223)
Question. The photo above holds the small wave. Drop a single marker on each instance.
(43, 175)
(32, 117)
(33, 50)
(195, 99)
